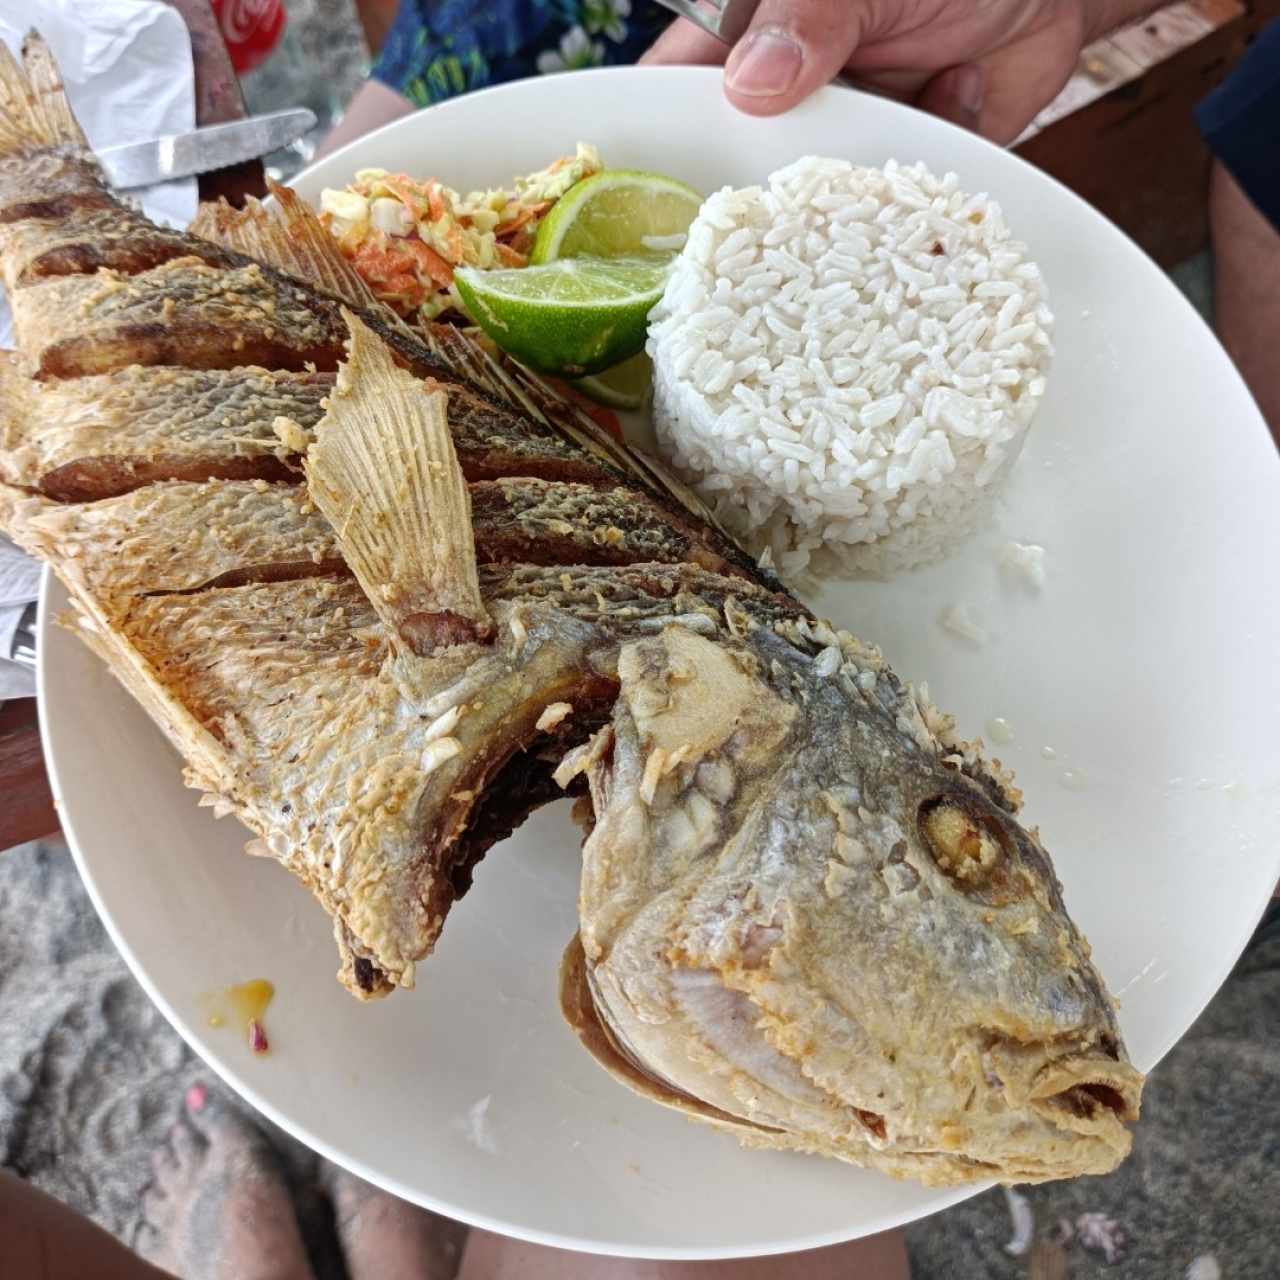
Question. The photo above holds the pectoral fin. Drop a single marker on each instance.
(384, 471)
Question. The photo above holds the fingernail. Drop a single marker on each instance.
(968, 90)
(196, 1096)
(765, 64)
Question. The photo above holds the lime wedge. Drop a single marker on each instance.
(625, 386)
(567, 318)
(617, 213)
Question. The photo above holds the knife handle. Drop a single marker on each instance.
(218, 98)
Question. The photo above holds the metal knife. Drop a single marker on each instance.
(23, 650)
(178, 155)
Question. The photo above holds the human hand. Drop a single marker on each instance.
(989, 65)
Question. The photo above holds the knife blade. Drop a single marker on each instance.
(23, 648)
(178, 155)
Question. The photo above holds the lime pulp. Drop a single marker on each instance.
(571, 317)
(617, 213)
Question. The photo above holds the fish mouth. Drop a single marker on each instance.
(1088, 1102)
(1087, 1095)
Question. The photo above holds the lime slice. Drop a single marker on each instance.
(567, 318)
(625, 386)
(617, 213)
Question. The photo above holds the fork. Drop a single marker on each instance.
(727, 20)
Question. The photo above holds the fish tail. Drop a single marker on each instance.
(34, 110)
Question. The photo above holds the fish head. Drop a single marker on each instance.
(810, 915)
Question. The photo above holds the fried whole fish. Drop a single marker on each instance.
(808, 913)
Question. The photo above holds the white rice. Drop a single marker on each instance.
(846, 363)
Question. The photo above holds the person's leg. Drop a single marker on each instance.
(1246, 265)
(384, 1238)
(43, 1239)
(492, 1257)
(219, 1208)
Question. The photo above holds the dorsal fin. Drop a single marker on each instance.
(512, 382)
(292, 239)
(220, 223)
(384, 471)
(281, 242)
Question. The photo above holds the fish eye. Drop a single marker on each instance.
(967, 846)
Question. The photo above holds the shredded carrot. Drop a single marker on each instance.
(389, 268)
(413, 270)
(527, 214)
(431, 262)
(409, 194)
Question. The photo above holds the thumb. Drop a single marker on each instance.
(791, 48)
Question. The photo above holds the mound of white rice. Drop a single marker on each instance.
(846, 362)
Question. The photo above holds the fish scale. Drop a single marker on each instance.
(387, 594)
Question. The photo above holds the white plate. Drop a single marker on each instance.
(1148, 663)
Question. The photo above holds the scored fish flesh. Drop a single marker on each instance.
(387, 594)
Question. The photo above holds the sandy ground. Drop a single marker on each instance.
(91, 1077)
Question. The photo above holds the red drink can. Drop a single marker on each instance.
(251, 30)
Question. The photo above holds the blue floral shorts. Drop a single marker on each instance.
(441, 48)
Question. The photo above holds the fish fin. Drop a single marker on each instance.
(288, 238)
(316, 255)
(513, 383)
(267, 236)
(16, 425)
(384, 471)
(221, 224)
(295, 241)
(18, 509)
(34, 111)
(462, 354)
(292, 239)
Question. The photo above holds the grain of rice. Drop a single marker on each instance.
(846, 362)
